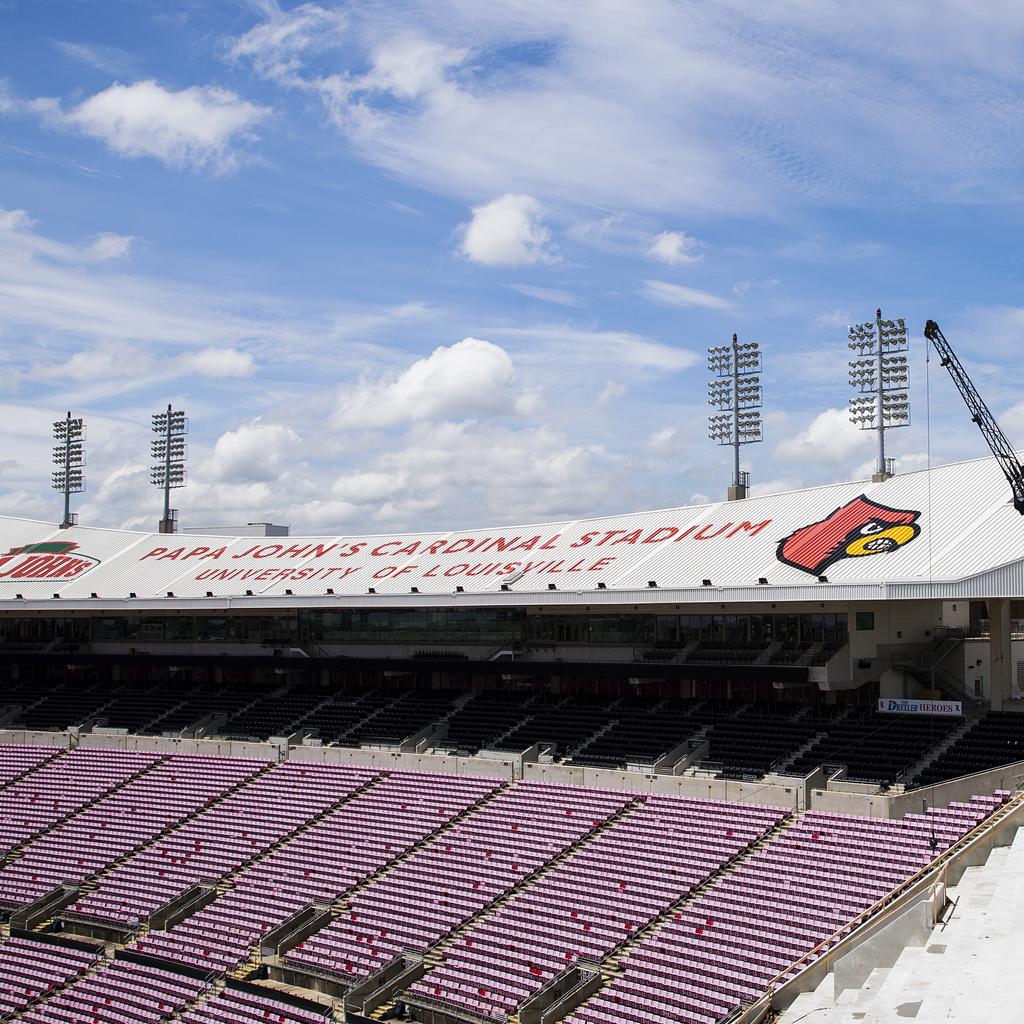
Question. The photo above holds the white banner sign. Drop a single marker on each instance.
(920, 707)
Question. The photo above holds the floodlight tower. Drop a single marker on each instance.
(736, 393)
(881, 375)
(168, 451)
(69, 458)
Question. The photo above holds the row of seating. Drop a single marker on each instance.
(594, 901)
(806, 884)
(875, 747)
(167, 792)
(456, 876)
(30, 971)
(47, 982)
(229, 834)
(345, 847)
(121, 992)
(62, 785)
(992, 741)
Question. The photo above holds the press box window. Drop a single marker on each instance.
(865, 620)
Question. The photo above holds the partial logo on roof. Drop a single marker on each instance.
(48, 560)
(858, 528)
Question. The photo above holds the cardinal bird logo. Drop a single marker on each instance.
(858, 528)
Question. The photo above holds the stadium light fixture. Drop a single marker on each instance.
(762, 581)
(602, 586)
(880, 374)
(705, 583)
(552, 586)
(169, 451)
(69, 458)
(652, 583)
(735, 392)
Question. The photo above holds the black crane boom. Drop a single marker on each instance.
(980, 414)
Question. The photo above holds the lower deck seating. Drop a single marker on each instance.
(512, 883)
(31, 970)
(238, 1006)
(155, 800)
(15, 760)
(224, 837)
(456, 876)
(804, 886)
(594, 901)
(363, 835)
(121, 992)
(60, 786)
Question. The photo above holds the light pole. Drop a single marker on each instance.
(881, 375)
(736, 393)
(69, 458)
(168, 451)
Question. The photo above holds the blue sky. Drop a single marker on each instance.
(423, 264)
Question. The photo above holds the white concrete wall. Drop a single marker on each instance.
(694, 786)
(34, 738)
(399, 762)
(174, 745)
(778, 791)
(896, 622)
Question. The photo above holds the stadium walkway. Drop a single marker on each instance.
(968, 972)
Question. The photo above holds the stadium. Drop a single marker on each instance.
(686, 765)
(476, 682)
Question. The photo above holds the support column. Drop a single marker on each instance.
(1000, 652)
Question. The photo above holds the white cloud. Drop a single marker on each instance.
(108, 361)
(556, 296)
(663, 106)
(109, 59)
(829, 439)
(110, 246)
(587, 349)
(836, 319)
(197, 127)
(469, 378)
(253, 453)
(675, 247)
(777, 486)
(664, 441)
(508, 231)
(276, 45)
(217, 362)
(8, 103)
(409, 66)
(1012, 422)
(482, 471)
(667, 294)
(613, 389)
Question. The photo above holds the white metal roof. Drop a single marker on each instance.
(950, 531)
